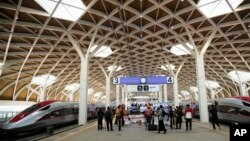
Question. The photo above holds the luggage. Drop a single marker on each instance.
(152, 127)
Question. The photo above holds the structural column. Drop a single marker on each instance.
(176, 98)
(71, 96)
(82, 120)
(117, 95)
(123, 94)
(160, 93)
(107, 91)
(42, 94)
(202, 91)
(165, 92)
(126, 97)
(243, 87)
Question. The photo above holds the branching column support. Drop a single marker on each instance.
(165, 92)
(108, 77)
(82, 117)
(200, 72)
(243, 89)
(175, 74)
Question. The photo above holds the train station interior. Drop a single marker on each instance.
(83, 55)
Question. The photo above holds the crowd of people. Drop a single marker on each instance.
(174, 117)
(109, 115)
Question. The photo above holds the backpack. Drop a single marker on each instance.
(117, 113)
(163, 113)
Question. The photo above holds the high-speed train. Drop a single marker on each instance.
(230, 110)
(44, 114)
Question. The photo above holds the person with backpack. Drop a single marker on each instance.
(188, 117)
(161, 115)
(100, 115)
(108, 119)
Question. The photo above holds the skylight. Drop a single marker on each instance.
(239, 76)
(111, 68)
(72, 87)
(44, 80)
(168, 67)
(213, 8)
(179, 49)
(103, 51)
(67, 9)
(212, 84)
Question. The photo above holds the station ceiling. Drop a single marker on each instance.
(139, 32)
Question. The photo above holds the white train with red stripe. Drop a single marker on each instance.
(46, 113)
(231, 109)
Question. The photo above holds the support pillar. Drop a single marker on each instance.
(71, 96)
(107, 92)
(117, 95)
(160, 93)
(243, 87)
(176, 98)
(202, 91)
(126, 97)
(82, 119)
(123, 94)
(42, 94)
(165, 92)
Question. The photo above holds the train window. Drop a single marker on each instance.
(45, 108)
(246, 104)
(233, 110)
(31, 109)
(244, 112)
(228, 109)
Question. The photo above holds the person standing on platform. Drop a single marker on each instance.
(108, 119)
(171, 115)
(118, 117)
(161, 115)
(214, 118)
(100, 115)
(178, 117)
(148, 115)
(188, 117)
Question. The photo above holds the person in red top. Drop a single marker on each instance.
(188, 117)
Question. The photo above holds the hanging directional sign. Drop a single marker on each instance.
(143, 80)
(143, 88)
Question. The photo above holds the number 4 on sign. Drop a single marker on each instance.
(170, 80)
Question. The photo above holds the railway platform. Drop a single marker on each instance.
(135, 132)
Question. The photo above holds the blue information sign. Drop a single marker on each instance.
(143, 80)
